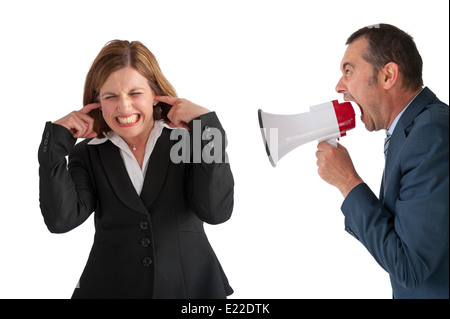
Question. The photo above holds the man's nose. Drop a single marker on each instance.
(340, 87)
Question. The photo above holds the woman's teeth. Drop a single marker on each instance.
(129, 119)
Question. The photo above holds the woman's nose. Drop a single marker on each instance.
(124, 104)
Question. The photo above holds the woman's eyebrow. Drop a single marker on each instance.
(108, 93)
(136, 89)
(131, 91)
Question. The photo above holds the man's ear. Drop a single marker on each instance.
(389, 75)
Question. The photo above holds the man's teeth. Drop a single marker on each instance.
(128, 120)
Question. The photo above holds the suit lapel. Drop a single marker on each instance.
(118, 177)
(395, 144)
(400, 132)
(382, 189)
(157, 169)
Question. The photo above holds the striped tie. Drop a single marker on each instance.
(386, 144)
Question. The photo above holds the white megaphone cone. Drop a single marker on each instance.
(324, 122)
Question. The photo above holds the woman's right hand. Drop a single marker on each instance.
(79, 123)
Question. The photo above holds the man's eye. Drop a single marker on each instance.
(348, 72)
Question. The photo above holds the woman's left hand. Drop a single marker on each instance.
(182, 111)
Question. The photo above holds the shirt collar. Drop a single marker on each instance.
(394, 124)
(117, 140)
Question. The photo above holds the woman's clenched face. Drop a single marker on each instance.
(127, 103)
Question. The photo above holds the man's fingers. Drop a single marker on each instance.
(341, 147)
(322, 146)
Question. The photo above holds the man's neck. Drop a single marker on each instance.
(400, 103)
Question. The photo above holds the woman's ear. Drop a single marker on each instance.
(97, 100)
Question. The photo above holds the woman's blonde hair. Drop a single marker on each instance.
(114, 56)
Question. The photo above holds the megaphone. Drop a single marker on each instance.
(324, 122)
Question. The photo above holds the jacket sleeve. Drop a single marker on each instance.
(210, 181)
(66, 194)
(410, 242)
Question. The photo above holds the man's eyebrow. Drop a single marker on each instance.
(346, 64)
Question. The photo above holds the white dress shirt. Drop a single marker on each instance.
(136, 173)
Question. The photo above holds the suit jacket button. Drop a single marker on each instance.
(145, 242)
(147, 261)
(143, 224)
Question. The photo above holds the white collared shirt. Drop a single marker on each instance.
(136, 173)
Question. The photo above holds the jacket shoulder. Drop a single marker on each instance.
(82, 146)
(80, 152)
(434, 116)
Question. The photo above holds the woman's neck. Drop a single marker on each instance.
(138, 144)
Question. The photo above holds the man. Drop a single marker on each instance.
(406, 229)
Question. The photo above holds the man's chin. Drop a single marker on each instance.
(366, 123)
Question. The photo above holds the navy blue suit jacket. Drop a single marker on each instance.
(406, 229)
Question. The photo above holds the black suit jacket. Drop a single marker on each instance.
(147, 246)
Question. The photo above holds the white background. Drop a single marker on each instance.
(286, 237)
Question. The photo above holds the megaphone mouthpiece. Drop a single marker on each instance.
(345, 115)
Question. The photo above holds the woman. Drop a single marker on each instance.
(149, 211)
